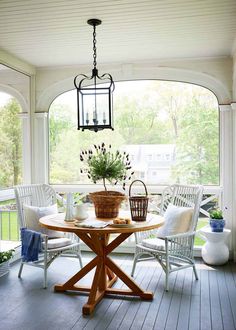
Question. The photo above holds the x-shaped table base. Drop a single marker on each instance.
(106, 273)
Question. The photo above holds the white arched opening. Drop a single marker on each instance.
(24, 116)
(218, 86)
(128, 72)
(17, 95)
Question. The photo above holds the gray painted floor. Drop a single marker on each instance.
(209, 303)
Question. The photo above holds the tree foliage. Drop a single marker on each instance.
(157, 113)
(197, 146)
(101, 163)
(10, 144)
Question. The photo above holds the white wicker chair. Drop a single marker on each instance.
(177, 250)
(42, 195)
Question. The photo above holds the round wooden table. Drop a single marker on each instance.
(107, 271)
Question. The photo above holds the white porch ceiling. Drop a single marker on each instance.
(55, 33)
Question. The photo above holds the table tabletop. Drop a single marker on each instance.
(57, 222)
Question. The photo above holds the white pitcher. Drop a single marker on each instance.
(69, 206)
(80, 211)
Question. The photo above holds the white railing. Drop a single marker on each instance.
(9, 228)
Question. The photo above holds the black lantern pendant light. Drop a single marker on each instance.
(94, 94)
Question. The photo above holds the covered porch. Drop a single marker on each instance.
(43, 46)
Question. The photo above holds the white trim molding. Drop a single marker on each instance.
(233, 106)
(128, 72)
(233, 229)
(225, 107)
(26, 143)
(17, 95)
(15, 63)
(40, 148)
(226, 167)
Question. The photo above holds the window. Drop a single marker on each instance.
(170, 126)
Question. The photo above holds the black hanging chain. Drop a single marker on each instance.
(94, 47)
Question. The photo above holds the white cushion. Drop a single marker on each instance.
(55, 243)
(34, 213)
(154, 243)
(177, 220)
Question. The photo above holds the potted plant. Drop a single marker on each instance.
(101, 163)
(217, 221)
(4, 261)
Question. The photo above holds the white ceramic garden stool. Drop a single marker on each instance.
(215, 251)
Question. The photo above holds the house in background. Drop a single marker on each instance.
(152, 163)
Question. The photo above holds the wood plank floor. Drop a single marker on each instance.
(209, 303)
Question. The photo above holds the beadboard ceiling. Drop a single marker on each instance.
(55, 33)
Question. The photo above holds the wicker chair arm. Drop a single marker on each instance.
(182, 235)
(144, 234)
(180, 245)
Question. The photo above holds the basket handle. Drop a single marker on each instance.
(138, 181)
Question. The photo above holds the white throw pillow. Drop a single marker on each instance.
(177, 220)
(34, 213)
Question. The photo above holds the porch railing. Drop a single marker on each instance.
(9, 228)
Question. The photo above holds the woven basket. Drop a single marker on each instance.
(138, 204)
(107, 203)
(4, 268)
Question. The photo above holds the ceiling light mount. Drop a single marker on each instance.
(94, 21)
(94, 94)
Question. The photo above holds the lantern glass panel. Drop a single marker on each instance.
(95, 107)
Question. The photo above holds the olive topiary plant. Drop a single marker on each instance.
(101, 163)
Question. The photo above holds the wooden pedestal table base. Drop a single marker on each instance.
(106, 273)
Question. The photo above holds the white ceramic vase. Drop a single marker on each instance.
(80, 211)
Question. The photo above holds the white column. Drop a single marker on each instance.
(233, 106)
(226, 165)
(26, 147)
(40, 148)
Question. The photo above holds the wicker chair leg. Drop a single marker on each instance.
(195, 271)
(80, 259)
(167, 281)
(45, 266)
(45, 278)
(136, 256)
(20, 270)
(167, 273)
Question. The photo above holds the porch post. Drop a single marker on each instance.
(40, 164)
(26, 143)
(226, 167)
(233, 106)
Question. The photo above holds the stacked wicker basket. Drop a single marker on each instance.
(107, 203)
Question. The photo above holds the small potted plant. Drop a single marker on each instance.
(101, 163)
(4, 261)
(217, 221)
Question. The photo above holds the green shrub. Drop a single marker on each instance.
(4, 256)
